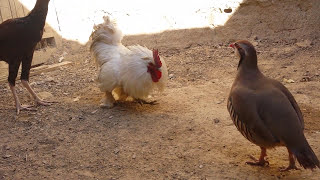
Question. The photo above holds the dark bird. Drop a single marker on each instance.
(18, 39)
(266, 113)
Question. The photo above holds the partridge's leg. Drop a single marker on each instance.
(261, 161)
(292, 163)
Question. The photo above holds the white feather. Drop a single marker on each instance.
(123, 67)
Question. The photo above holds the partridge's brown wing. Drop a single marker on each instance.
(290, 97)
(243, 109)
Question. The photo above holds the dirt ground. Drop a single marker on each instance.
(188, 135)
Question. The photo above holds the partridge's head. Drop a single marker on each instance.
(246, 52)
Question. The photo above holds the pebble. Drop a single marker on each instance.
(116, 151)
(76, 99)
(229, 10)
(93, 112)
(306, 43)
(6, 156)
(288, 80)
(216, 120)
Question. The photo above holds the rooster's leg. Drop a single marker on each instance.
(141, 101)
(121, 94)
(292, 163)
(261, 161)
(107, 101)
(19, 107)
(34, 95)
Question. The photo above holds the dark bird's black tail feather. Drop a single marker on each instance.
(307, 158)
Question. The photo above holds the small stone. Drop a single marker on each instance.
(6, 156)
(306, 43)
(216, 121)
(229, 10)
(116, 151)
(93, 112)
(134, 156)
(45, 95)
(288, 80)
(110, 117)
(201, 166)
(76, 99)
(255, 43)
(49, 79)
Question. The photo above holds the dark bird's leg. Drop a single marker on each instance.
(34, 95)
(261, 161)
(292, 162)
(13, 72)
(26, 65)
(19, 106)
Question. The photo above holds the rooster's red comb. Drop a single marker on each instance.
(156, 58)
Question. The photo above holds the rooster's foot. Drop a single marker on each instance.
(107, 105)
(141, 102)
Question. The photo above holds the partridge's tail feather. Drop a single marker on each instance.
(307, 158)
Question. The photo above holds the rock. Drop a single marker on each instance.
(305, 79)
(6, 156)
(116, 151)
(216, 120)
(45, 95)
(229, 10)
(288, 80)
(255, 43)
(50, 79)
(93, 112)
(76, 99)
(305, 43)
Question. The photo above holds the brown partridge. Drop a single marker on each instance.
(266, 113)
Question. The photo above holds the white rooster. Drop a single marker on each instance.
(132, 71)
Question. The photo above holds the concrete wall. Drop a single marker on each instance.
(77, 17)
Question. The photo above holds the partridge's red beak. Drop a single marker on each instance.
(231, 45)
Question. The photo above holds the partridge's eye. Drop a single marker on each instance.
(237, 46)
